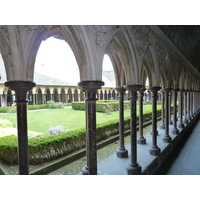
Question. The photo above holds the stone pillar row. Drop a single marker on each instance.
(191, 107)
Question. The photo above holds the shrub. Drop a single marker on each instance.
(53, 105)
(108, 108)
(56, 130)
(12, 110)
(37, 107)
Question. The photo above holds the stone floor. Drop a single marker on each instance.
(188, 160)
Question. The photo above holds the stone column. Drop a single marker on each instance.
(154, 149)
(170, 121)
(133, 168)
(121, 151)
(141, 139)
(162, 125)
(90, 88)
(175, 130)
(21, 88)
(191, 104)
(188, 106)
(180, 110)
(185, 121)
(166, 137)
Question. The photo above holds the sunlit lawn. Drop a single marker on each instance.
(40, 121)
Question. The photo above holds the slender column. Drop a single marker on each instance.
(141, 139)
(185, 121)
(154, 149)
(166, 137)
(175, 130)
(121, 151)
(21, 88)
(191, 105)
(133, 168)
(180, 110)
(162, 125)
(188, 106)
(90, 88)
(170, 121)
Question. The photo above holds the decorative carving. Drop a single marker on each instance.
(33, 27)
(101, 34)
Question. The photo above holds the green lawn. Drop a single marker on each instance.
(41, 120)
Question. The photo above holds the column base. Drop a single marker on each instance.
(141, 140)
(175, 131)
(122, 153)
(85, 170)
(167, 139)
(181, 125)
(154, 151)
(162, 126)
(133, 169)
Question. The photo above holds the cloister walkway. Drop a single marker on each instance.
(186, 163)
(188, 160)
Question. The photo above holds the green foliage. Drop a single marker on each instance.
(5, 123)
(101, 106)
(56, 130)
(11, 110)
(37, 107)
(8, 149)
(53, 105)
(108, 109)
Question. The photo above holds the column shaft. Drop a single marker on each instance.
(121, 151)
(166, 137)
(21, 88)
(180, 110)
(175, 130)
(154, 150)
(90, 88)
(141, 139)
(133, 168)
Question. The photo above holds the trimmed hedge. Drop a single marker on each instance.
(52, 147)
(100, 105)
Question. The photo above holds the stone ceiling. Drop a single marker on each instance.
(187, 39)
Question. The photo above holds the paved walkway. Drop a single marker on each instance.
(188, 160)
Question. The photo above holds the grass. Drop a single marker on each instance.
(40, 121)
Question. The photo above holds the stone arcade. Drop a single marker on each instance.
(136, 52)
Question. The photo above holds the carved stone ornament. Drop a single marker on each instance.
(32, 27)
(141, 40)
(101, 32)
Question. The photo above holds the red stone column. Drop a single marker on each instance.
(21, 88)
(90, 88)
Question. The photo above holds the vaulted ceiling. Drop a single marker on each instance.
(187, 39)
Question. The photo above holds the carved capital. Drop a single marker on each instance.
(90, 88)
(21, 88)
(121, 91)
